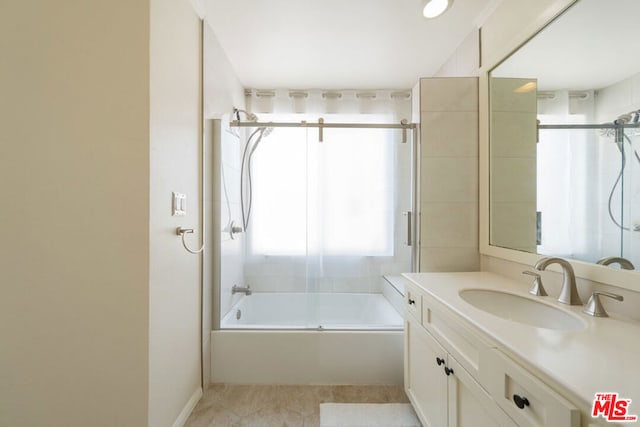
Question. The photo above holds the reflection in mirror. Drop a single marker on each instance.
(565, 139)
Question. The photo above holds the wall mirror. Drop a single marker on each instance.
(564, 139)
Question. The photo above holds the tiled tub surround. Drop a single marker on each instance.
(576, 364)
(225, 405)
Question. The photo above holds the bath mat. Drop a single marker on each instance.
(368, 415)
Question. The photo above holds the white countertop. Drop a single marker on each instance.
(603, 357)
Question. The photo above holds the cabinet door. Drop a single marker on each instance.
(425, 381)
(469, 404)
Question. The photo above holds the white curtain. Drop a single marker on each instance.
(325, 215)
(569, 176)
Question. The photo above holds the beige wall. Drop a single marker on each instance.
(465, 60)
(174, 274)
(222, 89)
(74, 179)
(101, 122)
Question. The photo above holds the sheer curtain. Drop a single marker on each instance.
(325, 214)
(568, 175)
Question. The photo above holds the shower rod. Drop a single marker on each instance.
(321, 125)
(600, 126)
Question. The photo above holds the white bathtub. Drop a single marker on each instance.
(335, 311)
(276, 342)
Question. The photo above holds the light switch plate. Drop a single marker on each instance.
(179, 204)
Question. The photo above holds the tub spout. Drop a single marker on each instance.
(241, 289)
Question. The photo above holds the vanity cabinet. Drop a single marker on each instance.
(442, 392)
(457, 377)
(425, 382)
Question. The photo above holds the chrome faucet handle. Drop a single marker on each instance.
(594, 305)
(536, 287)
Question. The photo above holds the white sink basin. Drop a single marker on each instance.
(521, 309)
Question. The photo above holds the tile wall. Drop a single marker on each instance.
(228, 206)
(513, 164)
(449, 174)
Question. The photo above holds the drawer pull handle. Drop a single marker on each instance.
(520, 402)
(439, 361)
(411, 301)
(448, 371)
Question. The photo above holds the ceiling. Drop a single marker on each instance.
(338, 44)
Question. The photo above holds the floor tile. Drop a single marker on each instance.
(281, 405)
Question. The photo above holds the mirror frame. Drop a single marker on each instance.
(610, 276)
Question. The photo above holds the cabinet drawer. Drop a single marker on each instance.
(468, 349)
(510, 383)
(413, 302)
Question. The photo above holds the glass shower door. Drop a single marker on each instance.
(323, 222)
(359, 189)
(629, 206)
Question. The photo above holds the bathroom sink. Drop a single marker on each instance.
(521, 309)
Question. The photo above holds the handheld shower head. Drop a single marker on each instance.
(250, 116)
(623, 119)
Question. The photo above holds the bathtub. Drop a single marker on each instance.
(336, 311)
(315, 338)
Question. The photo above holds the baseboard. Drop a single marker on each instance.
(186, 411)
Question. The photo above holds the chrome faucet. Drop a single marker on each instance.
(624, 263)
(569, 292)
(241, 289)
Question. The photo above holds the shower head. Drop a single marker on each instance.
(630, 117)
(623, 119)
(250, 116)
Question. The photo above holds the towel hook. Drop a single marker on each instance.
(181, 232)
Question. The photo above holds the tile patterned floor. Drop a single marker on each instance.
(226, 405)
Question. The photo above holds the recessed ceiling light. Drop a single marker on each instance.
(435, 8)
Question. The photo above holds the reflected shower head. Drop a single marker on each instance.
(623, 119)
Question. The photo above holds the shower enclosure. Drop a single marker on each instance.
(599, 166)
(313, 215)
